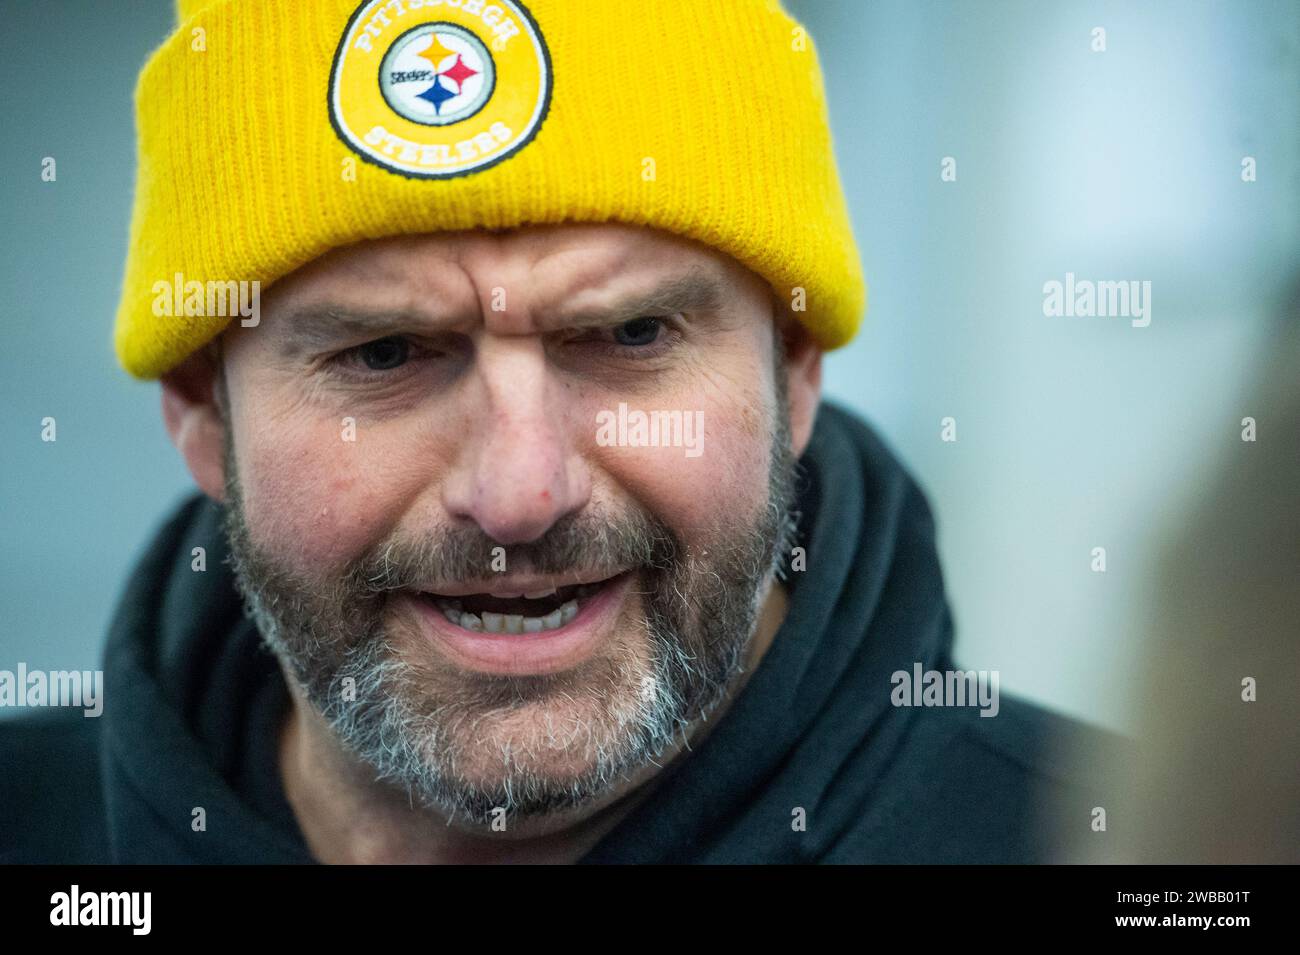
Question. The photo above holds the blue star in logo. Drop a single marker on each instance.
(436, 94)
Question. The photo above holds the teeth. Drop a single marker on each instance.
(508, 623)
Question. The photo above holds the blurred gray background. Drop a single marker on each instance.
(1072, 433)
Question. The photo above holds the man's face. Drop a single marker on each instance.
(496, 593)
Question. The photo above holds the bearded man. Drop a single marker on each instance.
(424, 608)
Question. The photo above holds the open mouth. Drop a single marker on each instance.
(508, 613)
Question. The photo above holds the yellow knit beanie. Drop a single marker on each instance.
(272, 131)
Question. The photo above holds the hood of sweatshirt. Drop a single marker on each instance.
(812, 762)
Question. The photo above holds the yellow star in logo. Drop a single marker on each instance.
(436, 52)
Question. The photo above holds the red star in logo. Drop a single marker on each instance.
(459, 72)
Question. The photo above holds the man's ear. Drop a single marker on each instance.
(803, 367)
(194, 420)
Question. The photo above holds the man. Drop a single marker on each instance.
(517, 469)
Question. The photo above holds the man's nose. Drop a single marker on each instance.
(519, 469)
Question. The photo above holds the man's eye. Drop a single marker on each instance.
(384, 354)
(638, 332)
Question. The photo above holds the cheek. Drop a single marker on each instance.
(315, 500)
(714, 492)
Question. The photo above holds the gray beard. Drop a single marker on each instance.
(414, 726)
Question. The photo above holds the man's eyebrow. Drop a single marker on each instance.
(313, 327)
(692, 291)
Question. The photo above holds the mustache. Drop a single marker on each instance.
(590, 541)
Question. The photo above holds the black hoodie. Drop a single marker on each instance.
(813, 762)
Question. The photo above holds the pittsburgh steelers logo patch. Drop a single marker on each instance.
(434, 89)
